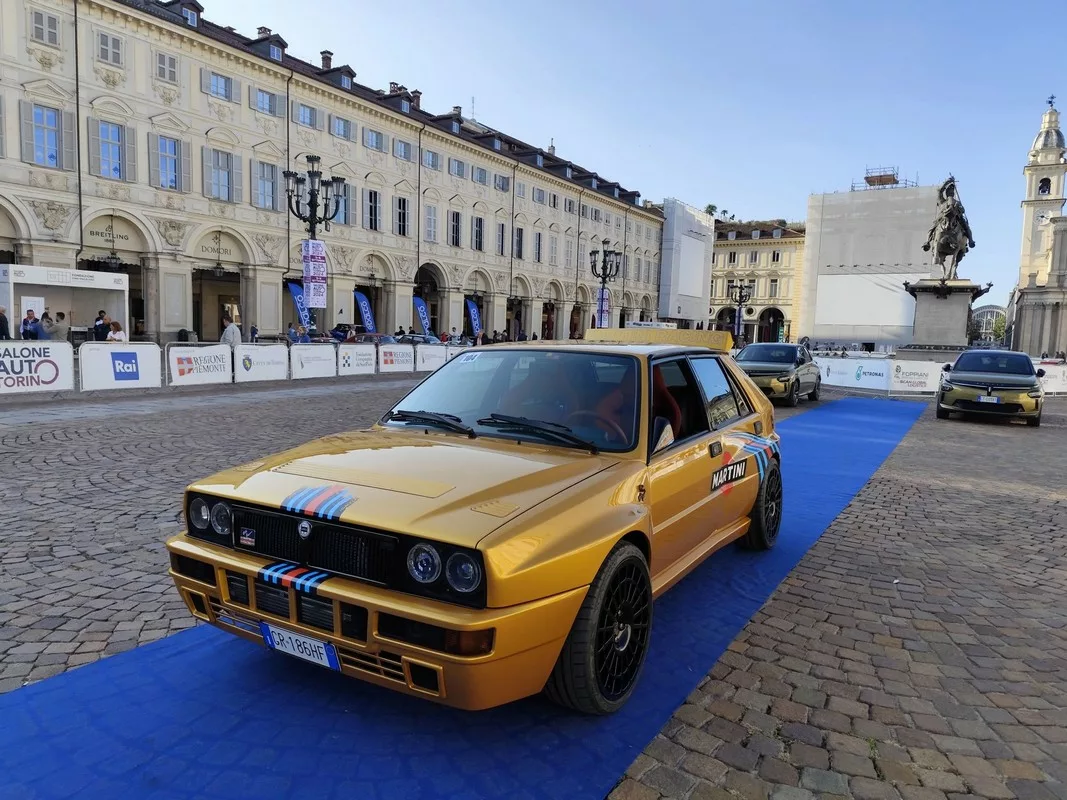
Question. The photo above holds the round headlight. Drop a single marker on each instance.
(424, 563)
(463, 573)
(199, 514)
(222, 519)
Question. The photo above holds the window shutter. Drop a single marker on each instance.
(330, 121)
(235, 91)
(129, 168)
(294, 111)
(205, 80)
(396, 215)
(2, 150)
(185, 152)
(276, 107)
(153, 159)
(253, 183)
(253, 96)
(279, 192)
(237, 180)
(320, 118)
(26, 126)
(94, 146)
(365, 205)
(69, 142)
(205, 156)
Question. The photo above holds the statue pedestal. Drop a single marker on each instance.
(942, 312)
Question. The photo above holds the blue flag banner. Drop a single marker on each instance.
(423, 313)
(297, 293)
(366, 312)
(476, 318)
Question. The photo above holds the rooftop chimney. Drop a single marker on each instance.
(551, 147)
(457, 110)
(327, 59)
(263, 31)
(416, 98)
(394, 87)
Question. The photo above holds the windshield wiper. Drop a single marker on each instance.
(448, 421)
(560, 432)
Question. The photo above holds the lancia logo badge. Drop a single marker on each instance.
(304, 529)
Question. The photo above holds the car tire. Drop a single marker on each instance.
(793, 400)
(813, 395)
(940, 413)
(1034, 422)
(587, 678)
(767, 511)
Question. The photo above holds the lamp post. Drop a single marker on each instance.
(308, 212)
(605, 265)
(741, 296)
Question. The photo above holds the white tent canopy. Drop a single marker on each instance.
(78, 293)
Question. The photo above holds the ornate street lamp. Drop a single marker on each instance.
(605, 265)
(741, 296)
(330, 191)
(112, 259)
(218, 271)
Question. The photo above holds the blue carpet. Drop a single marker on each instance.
(206, 715)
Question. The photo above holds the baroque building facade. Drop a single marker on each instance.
(137, 136)
(768, 259)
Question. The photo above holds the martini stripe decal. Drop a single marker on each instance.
(286, 574)
(321, 502)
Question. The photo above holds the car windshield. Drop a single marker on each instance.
(1000, 363)
(768, 354)
(575, 398)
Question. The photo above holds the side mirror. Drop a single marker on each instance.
(946, 368)
(1041, 373)
(662, 433)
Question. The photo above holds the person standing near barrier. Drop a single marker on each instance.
(231, 332)
(102, 327)
(116, 334)
(5, 326)
(30, 327)
(58, 330)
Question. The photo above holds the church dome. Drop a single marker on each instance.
(1050, 137)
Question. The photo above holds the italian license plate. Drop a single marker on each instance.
(296, 644)
(988, 398)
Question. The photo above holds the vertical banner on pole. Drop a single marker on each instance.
(423, 313)
(476, 318)
(297, 293)
(603, 307)
(313, 256)
(366, 312)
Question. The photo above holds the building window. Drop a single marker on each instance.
(457, 168)
(776, 256)
(220, 86)
(502, 183)
(405, 106)
(341, 128)
(755, 233)
(455, 127)
(538, 238)
(607, 218)
(167, 67)
(266, 102)
(266, 186)
(553, 200)
(169, 156)
(191, 17)
(47, 137)
(346, 82)
(581, 254)
(45, 28)
(553, 250)
(111, 149)
(431, 224)
(221, 184)
(752, 287)
(305, 115)
(480, 175)
(1045, 186)
(501, 238)
(540, 159)
(731, 287)
(731, 257)
(618, 222)
(344, 206)
(455, 228)
(568, 205)
(496, 144)
(431, 160)
(539, 195)
(520, 189)
(372, 210)
(596, 215)
(478, 234)
(275, 52)
(585, 211)
(110, 49)
(373, 139)
(753, 257)
(516, 248)
(400, 216)
(773, 291)
(402, 149)
(568, 248)
(777, 233)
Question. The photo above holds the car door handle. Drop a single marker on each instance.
(715, 449)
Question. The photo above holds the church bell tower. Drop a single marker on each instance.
(1044, 171)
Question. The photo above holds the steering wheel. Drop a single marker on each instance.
(609, 423)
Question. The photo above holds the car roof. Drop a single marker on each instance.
(610, 348)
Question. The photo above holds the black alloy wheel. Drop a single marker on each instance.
(767, 511)
(794, 393)
(813, 395)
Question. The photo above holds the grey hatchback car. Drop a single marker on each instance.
(783, 371)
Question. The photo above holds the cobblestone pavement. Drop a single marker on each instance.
(91, 488)
(918, 651)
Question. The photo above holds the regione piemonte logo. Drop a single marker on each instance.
(125, 366)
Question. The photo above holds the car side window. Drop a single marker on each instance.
(676, 397)
(721, 399)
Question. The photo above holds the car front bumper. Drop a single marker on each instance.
(1010, 403)
(525, 641)
(772, 386)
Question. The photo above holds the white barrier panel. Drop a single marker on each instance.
(855, 374)
(429, 357)
(454, 350)
(191, 366)
(313, 361)
(125, 365)
(260, 362)
(356, 359)
(915, 376)
(36, 367)
(396, 358)
(1055, 380)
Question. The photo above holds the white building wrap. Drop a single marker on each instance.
(686, 257)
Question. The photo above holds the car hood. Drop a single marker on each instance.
(995, 379)
(442, 487)
(765, 367)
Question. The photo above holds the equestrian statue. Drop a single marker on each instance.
(950, 238)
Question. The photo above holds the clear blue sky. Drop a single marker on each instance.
(751, 106)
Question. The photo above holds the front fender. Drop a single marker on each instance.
(559, 545)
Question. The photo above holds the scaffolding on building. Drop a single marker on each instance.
(883, 178)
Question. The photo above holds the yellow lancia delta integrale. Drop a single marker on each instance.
(1002, 383)
(503, 529)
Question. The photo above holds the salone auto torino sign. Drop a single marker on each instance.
(36, 368)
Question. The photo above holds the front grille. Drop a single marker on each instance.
(385, 664)
(315, 612)
(272, 599)
(989, 408)
(191, 568)
(237, 585)
(355, 553)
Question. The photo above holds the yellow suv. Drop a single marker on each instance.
(999, 383)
